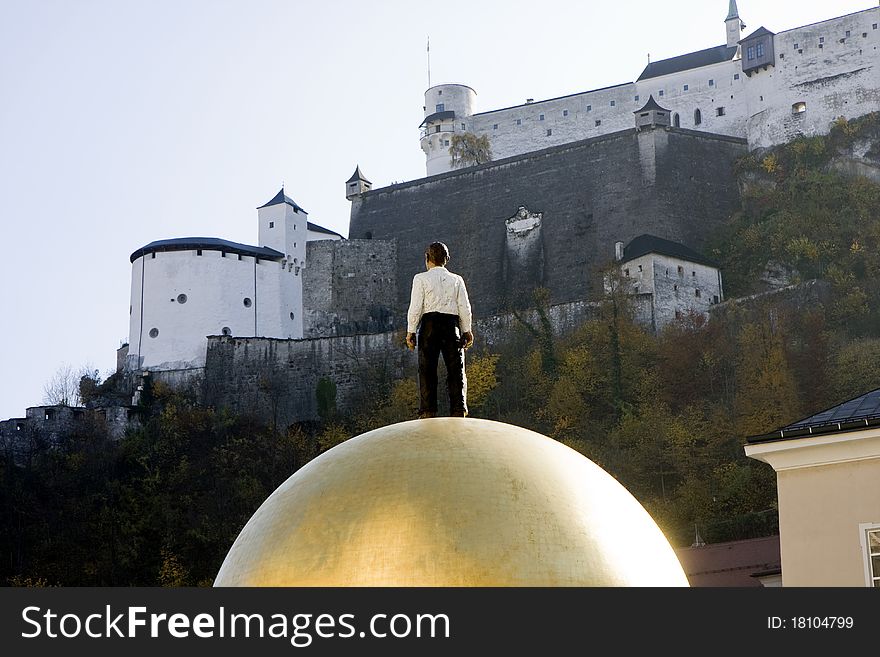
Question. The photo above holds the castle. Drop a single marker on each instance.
(640, 173)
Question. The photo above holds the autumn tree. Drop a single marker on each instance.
(467, 149)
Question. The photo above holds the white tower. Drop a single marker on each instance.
(448, 109)
(734, 26)
(284, 227)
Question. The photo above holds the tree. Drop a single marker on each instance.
(467, 149)
(63, 389)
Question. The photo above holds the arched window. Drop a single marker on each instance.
(676, 121)
(799, 108)
(698, 117)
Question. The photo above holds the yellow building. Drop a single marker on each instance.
(828, 479)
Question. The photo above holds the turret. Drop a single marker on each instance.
(651, 115)
(357, 184)
(448, 109)
(734, 26)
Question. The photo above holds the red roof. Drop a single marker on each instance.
(730, 564)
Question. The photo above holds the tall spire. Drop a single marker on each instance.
(734, 12)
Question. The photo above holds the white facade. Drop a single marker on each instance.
(183, 290)
(831, 66)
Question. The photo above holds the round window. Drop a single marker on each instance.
(154, 333)
(291, 315)
(226, 330)
(247, 302)
(181, 298)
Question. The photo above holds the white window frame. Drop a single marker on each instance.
(864, 528)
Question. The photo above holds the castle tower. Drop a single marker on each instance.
(357, 184)
(734, 26)
(448, 109)
(651, 115)
(283, 226)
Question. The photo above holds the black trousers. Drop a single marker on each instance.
(439, 334)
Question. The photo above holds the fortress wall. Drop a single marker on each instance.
(349, 287)
(590, 194)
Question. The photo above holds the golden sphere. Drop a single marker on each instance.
(451, 502)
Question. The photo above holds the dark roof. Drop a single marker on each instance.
(852, 415)
(761, 31)
(320, 229)
(357, 175)
(208, 244)
(644, 244)
(281, 197)
(735, 563)
(651, 105)
(689, 61)
(438, 116)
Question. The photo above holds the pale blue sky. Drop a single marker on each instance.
(125, 122)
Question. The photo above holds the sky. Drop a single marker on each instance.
(123, 122)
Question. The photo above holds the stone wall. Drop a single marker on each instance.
(674, 183)
(349, 287)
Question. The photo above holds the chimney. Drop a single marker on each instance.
(618, 251)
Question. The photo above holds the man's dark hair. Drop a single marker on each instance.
(437, 253)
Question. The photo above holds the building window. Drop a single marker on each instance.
(680, 270)
(640, 268)
(247, 302)
(540, 117)
(871, 544)
(759, 49)
(719, 111)
(612, 103)
(48, 414)
(549, 132)
(154, 333)
(564, 112)
(821, 39)
(636, 98)
(715, 298)
(685, 87)
(799, 108)
(693, 273)
(698, 117)
(874, 26)
(750, 53)
(440, 107)
(199, 252)
(677, 314)
(782, 55)
(271, 224)
(589, 108)
(660, 93)
(519, 121)
(847, 33)
(463, 126)
(676, 121)
(598, 122)
(697, 293)
(796, 46)
(292, 315)
(736, 76)
(239, 256)
(711, 83)
(675, 288)
(494, 126)
(226, 331)
(153, 255)
(181, 298)
(446, 142)
(626, 272)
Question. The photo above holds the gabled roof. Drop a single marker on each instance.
(357, 175)
(761, 31)
(689, 61)
(321, 229)
(645, 244)
(651, 105)
(208, 244)
(852, 415)
(281, 197)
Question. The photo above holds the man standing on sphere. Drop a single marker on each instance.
(439, 309)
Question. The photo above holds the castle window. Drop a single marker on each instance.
(540, 117)
(48, 414)
(715, 298)
(693, 273)
(680, 270)
(519, 121)
(677, 314)
(181, 298)
(239, 256)
(782, 55)
(796, 46)
(272, 223)
(660, 93)
(549, 132)
(247, 302)
(675, 288)
(736, 76)
(494, 126)
(598, 122)
(226, 331)
(750, 53)
(153, 255)
(759, 49)
(799, 108)
(871, 545)
(589, 108)
(698, 117)
(223, 254)
(685, 88)
(463, 126)
(18, 426)
(436, 128)
(636, 99)
(800, 51)
(446, 142)
(847, 33)
(440, 107)
(154, 333)
(874, 26)
(612, 103)
(711, 83)
(199, 252)
(676, 121)
(626, 272)
(821, 39)
(719, 111)
(640, 268)
(564, 112)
